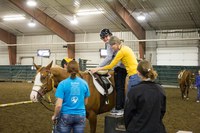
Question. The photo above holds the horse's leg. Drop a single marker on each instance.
(182, 95)
(187, 97)
(182, 92)
(92, 117)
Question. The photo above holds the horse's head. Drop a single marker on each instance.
(43, 82)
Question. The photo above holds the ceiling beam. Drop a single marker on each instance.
(9, 38)
(50, 23)
(133, 25)
(125, 16)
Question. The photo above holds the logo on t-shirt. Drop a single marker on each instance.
(74, 99)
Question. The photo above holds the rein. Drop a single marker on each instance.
(42, 99)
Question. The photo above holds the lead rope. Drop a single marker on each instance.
(46, 106)
(54, 125)
(42, 99)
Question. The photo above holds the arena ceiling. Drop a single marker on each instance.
(160, 15)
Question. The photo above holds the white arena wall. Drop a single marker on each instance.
(4, 57)
(173, 52)
(27, 47)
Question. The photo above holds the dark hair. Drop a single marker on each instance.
(73, 68)
(63, 62)
(104, 33)
(146, 69)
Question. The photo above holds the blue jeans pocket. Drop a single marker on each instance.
(71, 122)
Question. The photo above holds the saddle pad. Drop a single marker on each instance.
(99, 87)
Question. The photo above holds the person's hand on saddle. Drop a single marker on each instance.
(94, 70)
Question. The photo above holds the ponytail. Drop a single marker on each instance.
(73, 68)
(146, 70)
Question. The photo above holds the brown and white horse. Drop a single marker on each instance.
(185, 80)
(48, 77)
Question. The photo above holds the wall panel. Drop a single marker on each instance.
(186, 56)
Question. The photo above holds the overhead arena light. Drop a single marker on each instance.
(74, 21)
(31, 3)
(31, 23)
(89, 12)
(141, 17)
(13, 17)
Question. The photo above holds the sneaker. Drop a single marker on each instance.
(117, 112)
(113, 111)
(197, 101)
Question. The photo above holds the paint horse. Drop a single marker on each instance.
(48, 77)
(185, 80)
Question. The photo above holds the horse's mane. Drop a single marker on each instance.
(57, 70)
(57, 66)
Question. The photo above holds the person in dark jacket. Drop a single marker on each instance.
(145, 105)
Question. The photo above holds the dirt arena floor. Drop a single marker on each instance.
(34, 118)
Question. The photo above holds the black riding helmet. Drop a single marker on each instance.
(104, 33)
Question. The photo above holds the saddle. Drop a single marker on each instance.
(102, 83)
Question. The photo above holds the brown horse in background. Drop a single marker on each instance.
(185, 80)
(48, 77)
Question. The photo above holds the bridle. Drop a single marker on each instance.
(45, 88)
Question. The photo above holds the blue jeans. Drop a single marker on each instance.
(133, 80)
(120, 78)
(67, 123)
(198, 93)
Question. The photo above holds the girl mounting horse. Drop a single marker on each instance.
(48, 77)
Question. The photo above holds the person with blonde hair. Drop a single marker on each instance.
(72, 96)
(145, 105)
(127, 58)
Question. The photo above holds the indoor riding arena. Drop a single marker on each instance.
(37, 35)
(34, 117)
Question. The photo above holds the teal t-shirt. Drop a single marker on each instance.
(73, 92)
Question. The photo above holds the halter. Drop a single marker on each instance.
(45, 89)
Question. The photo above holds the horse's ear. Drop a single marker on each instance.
(49, 66)
(36, 66)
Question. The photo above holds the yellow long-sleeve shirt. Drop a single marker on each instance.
(127, 57)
